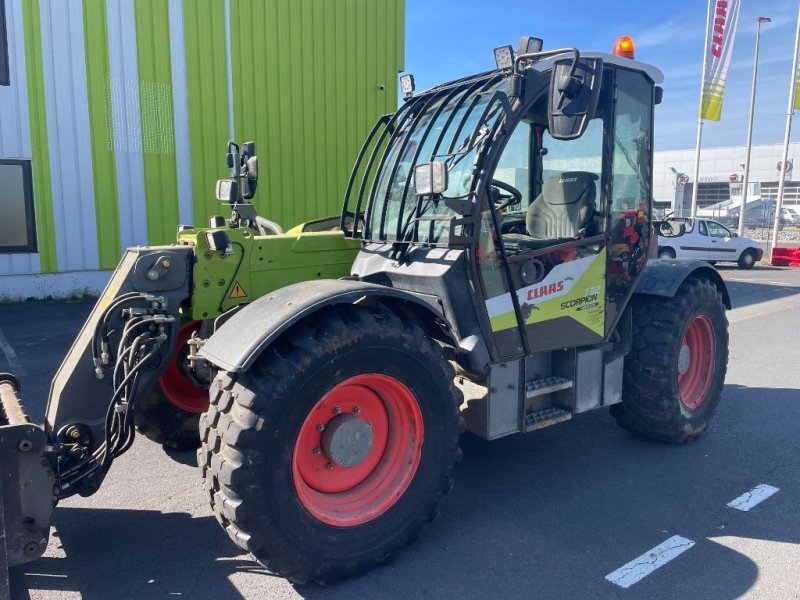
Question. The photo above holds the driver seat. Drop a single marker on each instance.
(565, 209)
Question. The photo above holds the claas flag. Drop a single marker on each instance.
(721, 34)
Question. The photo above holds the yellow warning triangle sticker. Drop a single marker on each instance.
(237, 292)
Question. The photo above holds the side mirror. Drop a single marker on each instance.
(249, 149)
(430, 179)
(574, 94)
(250, 181)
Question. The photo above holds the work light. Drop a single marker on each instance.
(407, 85)
(504, 57)
(529, 45)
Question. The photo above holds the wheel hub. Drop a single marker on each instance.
(347, 440)
(684, 359)
(358, 450)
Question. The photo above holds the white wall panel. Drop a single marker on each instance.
(126, 122)
(67, 109)
(15, 135)
(180, 111)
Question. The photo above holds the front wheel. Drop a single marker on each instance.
(169, 412)
(333, 451)
(747, 260)
(675, 371)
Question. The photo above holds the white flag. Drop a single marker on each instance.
(722, 32)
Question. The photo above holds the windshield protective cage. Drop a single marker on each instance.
(453, 124)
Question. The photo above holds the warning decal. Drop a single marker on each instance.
(237, 292)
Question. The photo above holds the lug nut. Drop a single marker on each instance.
(356, 409)
(317, 451)
(337, 410)
(320, 427)
(329, 466)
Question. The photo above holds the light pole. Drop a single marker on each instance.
(746, 184)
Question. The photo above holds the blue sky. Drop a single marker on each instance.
(446, 39)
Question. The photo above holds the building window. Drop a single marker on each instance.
(17, 225)
(713, 193)
(4, 74)
(791, 193)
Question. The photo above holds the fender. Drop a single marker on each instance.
(663, 277)
(239, 341)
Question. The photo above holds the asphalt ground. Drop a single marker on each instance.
(544, 515)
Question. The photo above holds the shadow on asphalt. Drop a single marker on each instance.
(133, 554)
(546, 515)
(749, 293)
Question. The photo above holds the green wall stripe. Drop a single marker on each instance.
(158, 123)
(40, 156)
(104, 168)
(306, 83)
(204, 31)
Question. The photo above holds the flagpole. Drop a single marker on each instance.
(696, 180)
(749, 152)
(787, 139)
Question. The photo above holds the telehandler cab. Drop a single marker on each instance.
(502, 285)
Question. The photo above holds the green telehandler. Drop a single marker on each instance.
(496, 274)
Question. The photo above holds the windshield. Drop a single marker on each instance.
(452, 126)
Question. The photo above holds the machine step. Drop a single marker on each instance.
(546, 417)
(546, 385)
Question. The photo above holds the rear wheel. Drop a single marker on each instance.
(747, 260)
(666, 253)
(676, 369)
(333, 451)
(169, 413)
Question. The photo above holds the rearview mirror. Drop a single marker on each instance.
(574, 93)
(430, 179)
(250, 181)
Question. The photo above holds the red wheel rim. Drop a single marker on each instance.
(696, 361)
(175, 383)
(346, 496)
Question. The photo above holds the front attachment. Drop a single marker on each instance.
(27, 483)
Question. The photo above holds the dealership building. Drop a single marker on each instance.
(115, 115)
(722, 176)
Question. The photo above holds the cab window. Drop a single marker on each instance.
(702, 228)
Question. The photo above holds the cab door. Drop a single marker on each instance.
(723, 246)
(557, 275)
(629, 206)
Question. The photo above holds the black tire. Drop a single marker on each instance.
(164, 423)
(747, 260)
(250, 431)
(652, 405)
(666, 253)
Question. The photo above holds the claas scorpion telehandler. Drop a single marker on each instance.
(497, 236)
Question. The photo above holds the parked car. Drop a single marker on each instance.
(791, 215)
(705, 239)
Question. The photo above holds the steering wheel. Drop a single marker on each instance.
(511, 197)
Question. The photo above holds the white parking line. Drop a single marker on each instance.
(641, 567)
(11, 356)
(753, 498)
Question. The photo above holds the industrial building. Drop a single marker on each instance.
(114, 116)
(722, 176)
